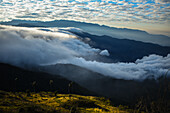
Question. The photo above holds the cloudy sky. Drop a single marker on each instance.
(149, 15)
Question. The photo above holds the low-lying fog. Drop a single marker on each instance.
(27, 47)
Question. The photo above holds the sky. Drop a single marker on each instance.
(152, 16)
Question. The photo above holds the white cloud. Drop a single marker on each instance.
(35, 47)
(32, 47)
(152, 66)
(104, 53)
(84, 10)
(162, 1)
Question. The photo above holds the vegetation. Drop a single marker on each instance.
(51, 102)
(158, 102)
(23, 91)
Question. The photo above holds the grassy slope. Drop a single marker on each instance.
(44, 102)
(21, 102)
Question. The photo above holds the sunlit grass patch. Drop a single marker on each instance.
(49, 102)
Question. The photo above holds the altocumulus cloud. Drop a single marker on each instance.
(32, 47)
(85, 10)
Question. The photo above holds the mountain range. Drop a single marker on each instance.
(120, 33)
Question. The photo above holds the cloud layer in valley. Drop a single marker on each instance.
(32, 47)
(152, 66)
(20, 46)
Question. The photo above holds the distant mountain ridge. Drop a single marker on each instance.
(123, 50)
(121, 33)
(59, 23)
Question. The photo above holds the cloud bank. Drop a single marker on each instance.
(32, 47)
(152, 66)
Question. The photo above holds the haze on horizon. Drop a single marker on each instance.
(152, 16)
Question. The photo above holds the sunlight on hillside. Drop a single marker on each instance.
(21, 102)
